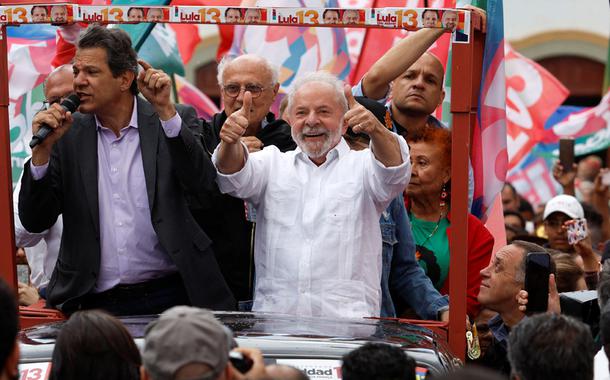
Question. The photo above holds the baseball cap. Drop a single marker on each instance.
(184, 335)
(566, 204)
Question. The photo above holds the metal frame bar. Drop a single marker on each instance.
(466, 78)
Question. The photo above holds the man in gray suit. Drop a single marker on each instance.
(118, 171)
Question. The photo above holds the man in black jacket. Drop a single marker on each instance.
(228, 220)
(118, 171)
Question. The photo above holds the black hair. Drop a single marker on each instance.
(518, 215)
(430, 10)
(95, 345)
(39, 6)
(551, 346)
(331, 10)
(472, 372)
(378, 361)
(9, 322)
(135, 8)
(529, 247)
(229, 9)
(120, 55)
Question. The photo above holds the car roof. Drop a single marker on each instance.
(284, 336)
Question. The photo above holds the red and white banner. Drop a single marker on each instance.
(532, 95)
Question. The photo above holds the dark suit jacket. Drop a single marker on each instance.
(223, 217)
(171, 167)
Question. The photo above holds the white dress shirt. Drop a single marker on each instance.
(318, 242)
(600, 366)
(41, 249)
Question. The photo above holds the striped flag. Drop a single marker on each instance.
(296, 50)
(488, 154)
(30, 50)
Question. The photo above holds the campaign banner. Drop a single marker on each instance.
(122, 14)
(219, 15)
(37, 13)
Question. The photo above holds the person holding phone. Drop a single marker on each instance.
(562, 214)
(503, 280)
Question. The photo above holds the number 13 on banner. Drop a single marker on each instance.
(406, 18)
(9, 14)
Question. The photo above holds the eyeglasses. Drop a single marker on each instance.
(49, 102)
(233, 90)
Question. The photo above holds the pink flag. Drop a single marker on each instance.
(189, 94)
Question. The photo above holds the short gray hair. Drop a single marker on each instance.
(66, 66)
(319, 77)
(265, 63)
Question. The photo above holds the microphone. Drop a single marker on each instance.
(70, 103)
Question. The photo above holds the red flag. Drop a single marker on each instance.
(532, 95)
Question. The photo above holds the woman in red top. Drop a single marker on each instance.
(428, 197)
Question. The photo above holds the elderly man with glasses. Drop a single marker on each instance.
(227, 220)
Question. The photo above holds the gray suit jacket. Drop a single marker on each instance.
(172, 166)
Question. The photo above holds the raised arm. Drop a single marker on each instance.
(230, 151)
(376, 82)
(384, 145)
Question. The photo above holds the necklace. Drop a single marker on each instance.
(438, 223)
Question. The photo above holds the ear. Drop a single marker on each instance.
(276, 89)
(442, 97)
(126, 78)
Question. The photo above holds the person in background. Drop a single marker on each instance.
(42, 248)
(428, 195)
(190, 343)
(510, 198)
(378, 361)
(514, 225)
(570, 271)
(9, 326)
(551, 346)
(558, 213)
(502, 281)
(95, 345)
(401, 278)
(227, 220)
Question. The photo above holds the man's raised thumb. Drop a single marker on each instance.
(246, 104)
(351, 101)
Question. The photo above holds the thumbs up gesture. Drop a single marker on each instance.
(236, 124)
(359, 118)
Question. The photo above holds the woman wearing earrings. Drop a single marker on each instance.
(428, 196)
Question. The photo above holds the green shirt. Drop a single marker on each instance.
(432, 251)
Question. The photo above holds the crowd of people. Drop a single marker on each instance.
(339, 208)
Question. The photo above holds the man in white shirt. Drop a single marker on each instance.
(318, 243)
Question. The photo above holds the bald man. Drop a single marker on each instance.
(227, 220)
(415, 78)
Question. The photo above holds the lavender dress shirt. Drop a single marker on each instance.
(130, 249)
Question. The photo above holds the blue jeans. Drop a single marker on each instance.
(400, 270)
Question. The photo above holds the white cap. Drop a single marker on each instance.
(566, 204)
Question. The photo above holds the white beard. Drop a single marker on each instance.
(315, 150)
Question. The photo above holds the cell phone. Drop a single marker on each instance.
(241, 363)
(566, 154)
(537, 271)
(23, 273)
(606, 179)
(577, 231)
